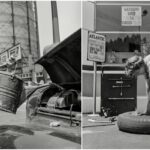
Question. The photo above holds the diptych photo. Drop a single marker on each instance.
(74, 74)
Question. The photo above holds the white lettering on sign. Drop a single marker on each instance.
(131, 16)
(96, 47)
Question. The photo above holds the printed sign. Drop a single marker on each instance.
(3, 58)
(14, 52)
(96, 47)
(131, 16)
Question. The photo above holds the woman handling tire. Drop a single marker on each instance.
(132, 121)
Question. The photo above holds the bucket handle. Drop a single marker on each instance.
(8, 65)
(11, 62)
(14, 72)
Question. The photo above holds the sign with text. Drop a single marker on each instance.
(131, 16)
(96, 47)
(3, 58)
(14, 52)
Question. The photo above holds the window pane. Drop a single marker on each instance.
(109, 17)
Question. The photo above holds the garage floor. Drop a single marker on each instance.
(107, 136)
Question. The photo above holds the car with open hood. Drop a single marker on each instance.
(57, 103)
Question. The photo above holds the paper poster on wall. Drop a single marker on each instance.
(131, 16)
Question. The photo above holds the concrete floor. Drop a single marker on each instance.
(103, 136)
(16, 133)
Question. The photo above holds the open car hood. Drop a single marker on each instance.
(63, 61)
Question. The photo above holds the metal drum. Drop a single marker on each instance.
(10, 92)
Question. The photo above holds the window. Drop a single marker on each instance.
(123, 40)
(109, 17)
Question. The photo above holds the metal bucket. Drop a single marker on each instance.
(10, 92)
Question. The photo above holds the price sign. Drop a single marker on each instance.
(14, 52)
(96, 47)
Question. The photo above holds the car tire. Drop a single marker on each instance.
(133, 123)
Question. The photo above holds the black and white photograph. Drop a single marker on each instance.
(115, 74)
(40, 74)
(74, 74)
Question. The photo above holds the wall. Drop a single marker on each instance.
(87, 75)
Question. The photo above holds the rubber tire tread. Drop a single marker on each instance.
(131, 123)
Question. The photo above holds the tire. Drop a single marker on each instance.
(129, 122)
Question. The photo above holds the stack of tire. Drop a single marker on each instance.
(133, 123)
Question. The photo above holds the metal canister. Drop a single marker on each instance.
(10, 92)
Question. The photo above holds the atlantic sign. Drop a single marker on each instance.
(96, 47)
